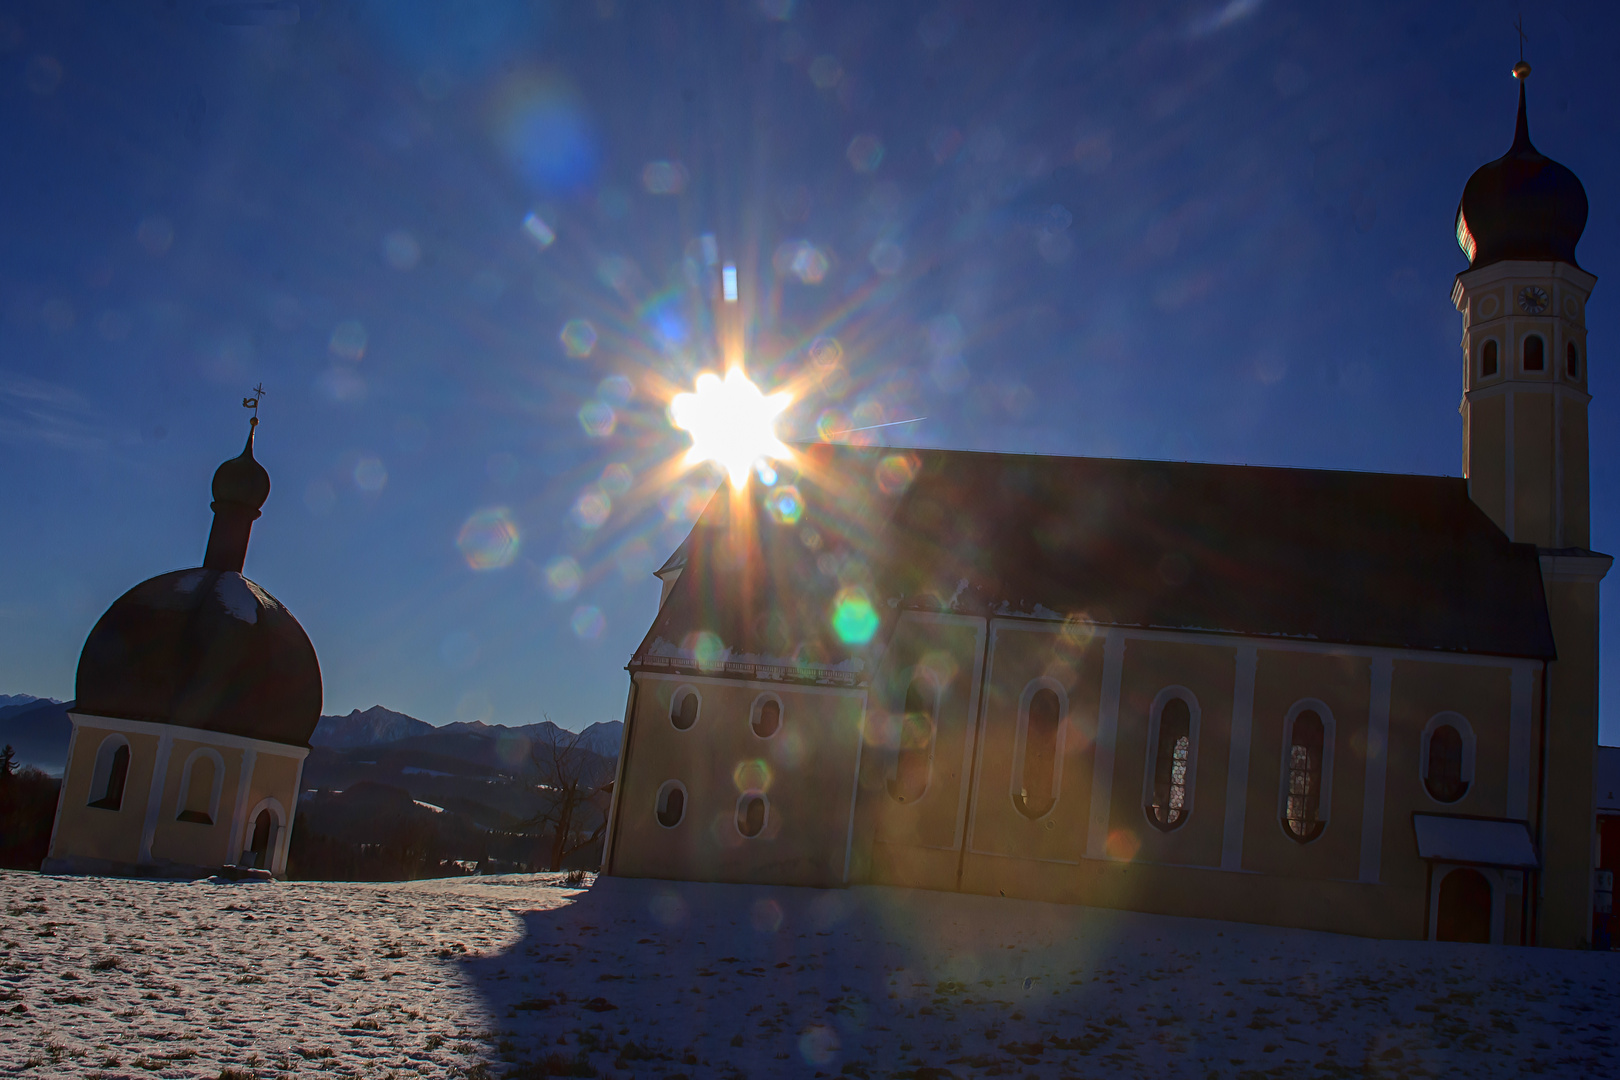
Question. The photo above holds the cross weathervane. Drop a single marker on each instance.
(253, 403)
(1518, 24)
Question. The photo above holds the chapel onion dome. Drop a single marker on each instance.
(207, 648)
(1523, 205)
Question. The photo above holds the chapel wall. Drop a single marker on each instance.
(806, 772)
(192, 843)
(84, 831)
(1533, 467)
(1570, 855)
(1150, 669)
(1486, 451)
(916, 843)
(1341, 683)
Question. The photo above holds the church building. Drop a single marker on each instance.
(1356, 702)
(197, 694)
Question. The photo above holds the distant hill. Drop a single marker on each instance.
(38, 730)
(375, 725)
(7, 700)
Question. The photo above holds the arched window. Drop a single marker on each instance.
(1535, 353)
(197, 786)
(1172, 760)
(112, 770)
(671, 804)
(1446, 757)
(264, 838)
(1487, 359)
(1572, 360)
(1036, 794)
(752, 812)
(1463, 912)
(914, 758)
(683, 708)
(1444, 777)
(1306, 744)
(767, 718)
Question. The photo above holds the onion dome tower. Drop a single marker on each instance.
(197, 696)
(207, 648)
(1525, 454)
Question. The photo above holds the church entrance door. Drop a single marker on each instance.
(1465, 908)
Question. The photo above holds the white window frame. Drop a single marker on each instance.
(1324, 804)
(1021, 739)
(1456, 720)
(1194, 714)
(681, 690)
(758, 706)
(103, 770)
(659, 804)
(278, 844)
(185, 784)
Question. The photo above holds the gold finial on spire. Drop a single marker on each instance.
(1521, 70)
(253, 403)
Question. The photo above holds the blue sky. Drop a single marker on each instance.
(1207, 231)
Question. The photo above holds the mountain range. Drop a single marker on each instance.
(38, 730)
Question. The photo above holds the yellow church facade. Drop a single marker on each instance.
(1355, 702)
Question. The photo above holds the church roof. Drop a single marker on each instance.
(1367, 559)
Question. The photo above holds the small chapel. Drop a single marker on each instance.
(197, 693)
(1356, 702)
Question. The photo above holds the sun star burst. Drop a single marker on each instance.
(731, 422)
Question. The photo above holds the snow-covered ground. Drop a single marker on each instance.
(516, 975)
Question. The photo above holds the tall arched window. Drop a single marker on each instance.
(1535, 353)
(1036, 796)
(1487, 359)
(752, 812)
(264, 838)
(683, 708)
(1572, 360)
(1172, 756)
(198, 789)
(1301, 814)
(1446, 757)
(112, 770)
(671, 804)
(1444, 777)
(914, 758)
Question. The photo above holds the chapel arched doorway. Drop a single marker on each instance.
(1464, 911)
(264, 836)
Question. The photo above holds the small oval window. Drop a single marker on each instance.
(751, 813)
(767, 717)
(683, 711)
(1487, 359)
(1535, 354)
(1572, 360)
(671, 806)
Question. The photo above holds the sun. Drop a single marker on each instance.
(731, 422)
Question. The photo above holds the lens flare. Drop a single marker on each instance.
(588, 623)
(578, 337)
(598, 419)
(785, 504)
(489, 539)
(854, 619)
(731, 423)
(563, 577)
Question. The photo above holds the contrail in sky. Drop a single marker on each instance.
(873, 427)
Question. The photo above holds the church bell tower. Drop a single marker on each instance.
(1525, 456)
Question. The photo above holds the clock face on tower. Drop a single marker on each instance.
(1532, 300)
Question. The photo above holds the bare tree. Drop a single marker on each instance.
(573, 781)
